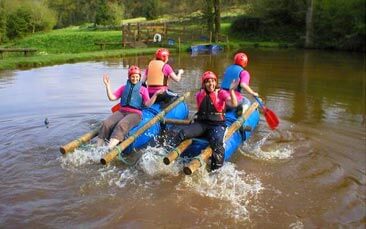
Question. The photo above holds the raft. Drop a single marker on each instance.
(140, 135)
(239, 130)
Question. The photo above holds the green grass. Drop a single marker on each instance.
(67, 40)
(77, 44)
(50, 59)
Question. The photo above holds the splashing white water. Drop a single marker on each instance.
(87, 154)
(272, 151)
(227, 184)
(296, 225)
(126, 177)
(152, 164)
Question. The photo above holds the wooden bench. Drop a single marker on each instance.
(102, 44)
(23, 50)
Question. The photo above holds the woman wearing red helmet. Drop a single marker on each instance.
(210, 120)
(132, 96)
(158, 74)
(236, 71)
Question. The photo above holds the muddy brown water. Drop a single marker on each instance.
(310, 173)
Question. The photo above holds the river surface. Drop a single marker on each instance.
(309, 173)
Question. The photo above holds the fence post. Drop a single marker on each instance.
(138, 31)
(123, 36)
(178, 44)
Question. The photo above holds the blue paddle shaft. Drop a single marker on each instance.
(259, 101)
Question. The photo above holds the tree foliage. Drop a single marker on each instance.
(340, 24)
(17, 19)
(108, 13)
(336, 24)
(2, 23)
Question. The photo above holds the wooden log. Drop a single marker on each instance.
(23, 50)
(176, 121)
(123, 145)
(177, 151)
(71, 146)
(205, 154)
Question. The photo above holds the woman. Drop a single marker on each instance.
(132, 98)
(210, 121)
(158, 74)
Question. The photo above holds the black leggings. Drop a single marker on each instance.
(213, 133)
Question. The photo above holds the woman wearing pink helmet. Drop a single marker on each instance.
(210, 120)
(132, 96)
(236, 71)
(158, 74)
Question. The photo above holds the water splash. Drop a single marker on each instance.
(128, 176)
(229, 185)
(297, 225)
(272, 146)
(152, 164)
(87, 154)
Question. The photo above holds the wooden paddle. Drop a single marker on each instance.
(271, 117)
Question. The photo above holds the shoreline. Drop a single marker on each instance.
(41, 59)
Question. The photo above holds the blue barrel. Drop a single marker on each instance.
(178, 112)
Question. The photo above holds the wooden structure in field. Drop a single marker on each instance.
(170, 33)
(26, 51)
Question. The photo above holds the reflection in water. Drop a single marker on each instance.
(308, 173)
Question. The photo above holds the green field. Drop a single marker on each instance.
(77, 44)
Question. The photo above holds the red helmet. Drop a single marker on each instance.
(134, 70)
(162, 54)
(241, 59)
(208, 75)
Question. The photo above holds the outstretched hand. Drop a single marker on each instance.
(106, 80)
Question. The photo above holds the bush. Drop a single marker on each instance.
(24, 19)
(245, 24)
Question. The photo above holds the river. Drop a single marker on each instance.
(309, 173)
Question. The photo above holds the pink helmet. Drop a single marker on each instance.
(134, 70)
(162, 54)
(241, 59)
(208, 75)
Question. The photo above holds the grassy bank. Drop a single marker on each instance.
(78, 44)
(51, 59)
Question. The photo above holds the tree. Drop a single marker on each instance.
(108, 13)
(213, 17)
(18, 23)
(151, 8)
(217, 18)
(2, 23)
(309, 25)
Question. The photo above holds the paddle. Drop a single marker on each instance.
(270, 116)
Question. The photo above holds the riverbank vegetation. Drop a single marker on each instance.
(67, 30)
